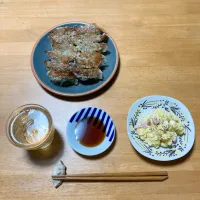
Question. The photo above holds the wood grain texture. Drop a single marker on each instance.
(159, 47)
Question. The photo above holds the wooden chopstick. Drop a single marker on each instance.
(113, 177)
(110, 179)
(119, 174)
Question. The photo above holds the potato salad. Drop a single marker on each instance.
(160, 128)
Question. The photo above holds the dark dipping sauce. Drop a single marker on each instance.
(94, 132)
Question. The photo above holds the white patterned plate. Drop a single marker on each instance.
(105, 124)
(146, 105)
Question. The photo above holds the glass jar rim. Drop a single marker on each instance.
(15, 113)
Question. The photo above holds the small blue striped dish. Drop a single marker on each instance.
(102, 118)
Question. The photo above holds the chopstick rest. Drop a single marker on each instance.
(59, 169)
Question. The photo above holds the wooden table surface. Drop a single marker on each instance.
(159, 47)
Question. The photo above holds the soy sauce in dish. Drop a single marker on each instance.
(89, 132)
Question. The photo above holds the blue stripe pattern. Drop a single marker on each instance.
(108, 133)
(101, 122)
(111, 137)
(97, 117)
(107, 120)
(80, 114)
(108, 123)
(87, 112)
(72, 118)
(92, 115)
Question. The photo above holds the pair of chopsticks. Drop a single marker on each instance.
(115, 177)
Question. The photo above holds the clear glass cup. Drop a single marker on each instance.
(30, 127)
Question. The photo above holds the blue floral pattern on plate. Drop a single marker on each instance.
(146, 105)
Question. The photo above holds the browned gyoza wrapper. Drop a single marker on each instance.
(76, 54)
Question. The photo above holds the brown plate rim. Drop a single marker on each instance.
(69, 94)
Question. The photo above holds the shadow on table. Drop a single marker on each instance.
(50, 155)
(105, 153)
(90, 96)
(166, 163)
